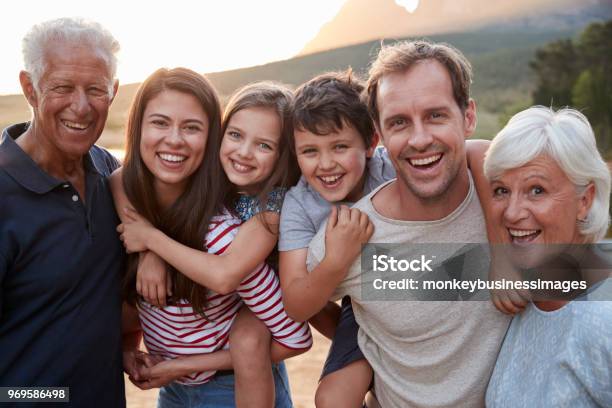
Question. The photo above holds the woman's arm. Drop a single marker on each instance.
(167, 371)
(249, 339)
(134, 360)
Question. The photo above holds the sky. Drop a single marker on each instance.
(206, 36)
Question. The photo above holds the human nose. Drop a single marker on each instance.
(80, 102)
(326, 161)
(515, 209)
(174, 137)
(421, 138)
(244, 150)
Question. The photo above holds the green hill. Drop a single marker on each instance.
(500, 61)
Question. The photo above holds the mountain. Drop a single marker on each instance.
(359, 21)
(500, 60)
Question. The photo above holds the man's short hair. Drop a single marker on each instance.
(400, 57)
(330, 101)
(70, 31)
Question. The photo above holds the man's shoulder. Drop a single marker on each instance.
(365, 203)
(104, 161)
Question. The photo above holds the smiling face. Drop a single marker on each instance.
(74, 96)
(334, 164)
(534, 207)
(173, 140)
(424, 130)
(250, 147)
(537, 204)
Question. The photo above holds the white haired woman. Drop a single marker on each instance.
(551, 186)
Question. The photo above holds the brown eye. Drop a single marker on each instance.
(500, 191)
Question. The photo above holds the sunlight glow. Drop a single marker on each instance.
(410, 5)
(205, 36)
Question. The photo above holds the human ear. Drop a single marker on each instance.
(585, 201)
(469, 118)
(373, 144)
(115, 89)
(27, 87)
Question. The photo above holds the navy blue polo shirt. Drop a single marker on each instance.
(60, 271)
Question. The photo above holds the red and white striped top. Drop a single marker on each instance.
(177, 330)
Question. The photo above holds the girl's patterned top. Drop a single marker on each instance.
(248, 206)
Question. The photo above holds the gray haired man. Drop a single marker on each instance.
(60, 259)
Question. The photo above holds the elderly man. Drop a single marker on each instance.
(424, 353)
(60, 258)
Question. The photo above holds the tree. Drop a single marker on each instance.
(579, 74)
(592, 94)
(556, 67)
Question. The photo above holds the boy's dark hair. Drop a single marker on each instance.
(328, 102)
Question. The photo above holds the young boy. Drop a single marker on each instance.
(335, 145)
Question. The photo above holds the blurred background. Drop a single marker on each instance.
(524, 52)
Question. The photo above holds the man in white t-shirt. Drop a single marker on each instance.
(423, 352)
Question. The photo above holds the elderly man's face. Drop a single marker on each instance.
(71, 107)
(424, 129)
(537, 204)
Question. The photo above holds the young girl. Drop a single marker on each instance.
(174, 177)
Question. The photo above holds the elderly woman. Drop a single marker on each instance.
(551, 186)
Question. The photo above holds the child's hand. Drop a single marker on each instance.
(153, 282)
(135, 231)
(347, 229)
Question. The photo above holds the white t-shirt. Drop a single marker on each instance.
(424, 353)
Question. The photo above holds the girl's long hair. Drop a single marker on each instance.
(187, 220)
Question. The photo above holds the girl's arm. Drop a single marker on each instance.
(252, 245)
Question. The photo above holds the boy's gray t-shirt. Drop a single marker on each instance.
(304, 210)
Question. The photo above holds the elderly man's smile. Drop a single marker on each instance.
(78, 126)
